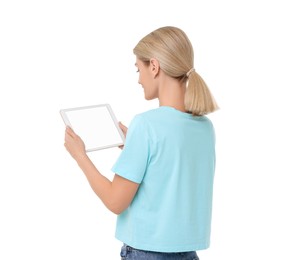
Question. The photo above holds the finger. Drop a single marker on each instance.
(70, 132)
(68, 137)
(123, 127)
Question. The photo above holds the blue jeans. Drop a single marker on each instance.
(130, 253)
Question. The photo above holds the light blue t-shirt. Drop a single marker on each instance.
(171, 155)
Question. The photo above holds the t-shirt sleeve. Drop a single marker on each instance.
(132, 162)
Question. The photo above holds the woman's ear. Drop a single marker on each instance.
(154, 66)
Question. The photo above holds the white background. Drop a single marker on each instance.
(60, 54)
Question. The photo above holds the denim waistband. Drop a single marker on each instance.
(149, 255)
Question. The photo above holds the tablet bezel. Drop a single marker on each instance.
(65, 117)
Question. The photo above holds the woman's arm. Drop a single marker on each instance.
(117, 194)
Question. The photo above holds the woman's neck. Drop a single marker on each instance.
(172, 93)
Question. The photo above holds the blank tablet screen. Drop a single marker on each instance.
(96, 125)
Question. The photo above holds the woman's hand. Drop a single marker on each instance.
(74, 144)
(124, 130)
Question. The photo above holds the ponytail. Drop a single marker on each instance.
(198, 98)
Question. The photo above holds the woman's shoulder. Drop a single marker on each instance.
(147, 115)
(148, 119)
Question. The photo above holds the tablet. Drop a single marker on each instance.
(96, 125)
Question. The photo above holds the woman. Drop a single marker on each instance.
(163, 183)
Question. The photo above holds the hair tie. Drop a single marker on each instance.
(189, 72)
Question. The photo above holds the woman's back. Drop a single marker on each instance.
(172, 155)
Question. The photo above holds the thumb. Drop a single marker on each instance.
(123, 127)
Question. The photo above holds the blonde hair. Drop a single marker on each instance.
(174, 51)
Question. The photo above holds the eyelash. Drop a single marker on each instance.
(137, 71)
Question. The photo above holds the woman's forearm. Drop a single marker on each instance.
(101, 185)
(116, 194)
